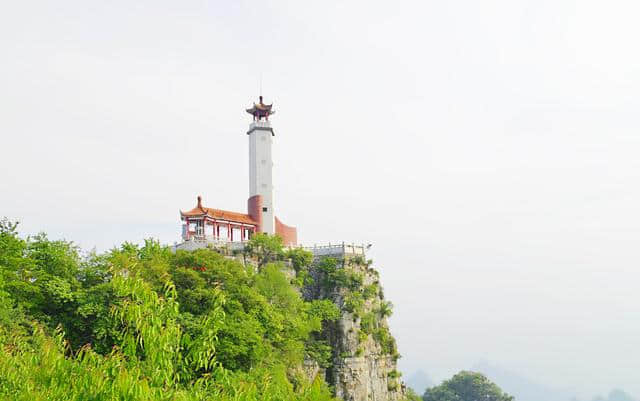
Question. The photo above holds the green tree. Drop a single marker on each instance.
(300, 258)
(411, 395)
(266, 248)
(466, 386)
(142, 323)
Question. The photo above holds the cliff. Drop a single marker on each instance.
(362, 360)
(363, 365)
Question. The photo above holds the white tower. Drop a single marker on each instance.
(261, 162)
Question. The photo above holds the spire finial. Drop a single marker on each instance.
(200, 201)
(261, 99)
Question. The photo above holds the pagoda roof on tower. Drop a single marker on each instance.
(263, 107)
(218, 214)
(260, 109)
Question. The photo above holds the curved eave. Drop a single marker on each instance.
(221, 215)
(189, 214)
(261, 110)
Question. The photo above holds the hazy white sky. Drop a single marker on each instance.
(489, 151)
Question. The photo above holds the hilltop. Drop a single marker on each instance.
(146, 323)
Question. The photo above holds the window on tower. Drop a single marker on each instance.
(264, 209)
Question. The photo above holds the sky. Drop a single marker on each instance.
(487, 150)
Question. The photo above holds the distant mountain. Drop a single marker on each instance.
(616, 395)
(419, 381)
(520, 387)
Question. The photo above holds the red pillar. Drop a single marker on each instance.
(229, 233)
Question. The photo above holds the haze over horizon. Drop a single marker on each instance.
(488, 151)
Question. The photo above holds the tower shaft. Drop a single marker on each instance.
(261, 170)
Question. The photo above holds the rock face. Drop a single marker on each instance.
(363, 365)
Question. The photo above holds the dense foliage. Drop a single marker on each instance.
(466, 386)
(143, 323)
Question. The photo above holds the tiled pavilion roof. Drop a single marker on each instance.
(218, 214)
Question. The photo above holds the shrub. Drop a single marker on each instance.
(354, 303)
(368, 323)
(394, 374)
(370, 291)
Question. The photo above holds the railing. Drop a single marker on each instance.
(317, 250)
(211, 238)
(260, 123)
(202, 241)
(337, 249)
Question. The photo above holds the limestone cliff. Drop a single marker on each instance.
(363, 364)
